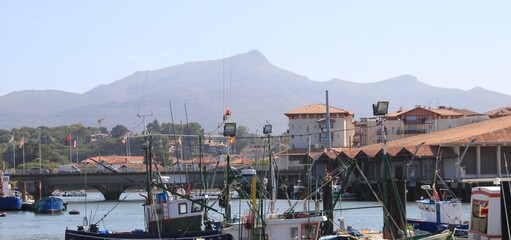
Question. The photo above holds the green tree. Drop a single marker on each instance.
(103, 130)
(118, 131)
(154, 127)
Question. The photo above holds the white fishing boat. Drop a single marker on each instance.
(256, 224)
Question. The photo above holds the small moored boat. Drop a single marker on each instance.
(50, 205)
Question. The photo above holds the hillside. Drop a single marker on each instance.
(255, 90)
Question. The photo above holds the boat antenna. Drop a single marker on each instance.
(143, 116)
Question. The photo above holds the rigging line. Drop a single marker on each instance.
(386, 211)
(189, 143)
(115, 206)
(142, 96)
(175, 141)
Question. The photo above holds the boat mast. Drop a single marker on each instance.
(267, 130)
(230, 132)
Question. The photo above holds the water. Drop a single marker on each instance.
(128, 215)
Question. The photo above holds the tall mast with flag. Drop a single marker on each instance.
(22, 146)
(75, 146)
(68, 141)
(11, 143)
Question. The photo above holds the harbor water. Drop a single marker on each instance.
(128, 214)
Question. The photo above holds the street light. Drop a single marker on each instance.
(380, 108)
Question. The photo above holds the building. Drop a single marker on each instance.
(120, 163)
(216, 145)
(308, 124)
(474, 153)
(407, 123)
(499, 112)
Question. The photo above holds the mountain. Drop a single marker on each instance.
(255, 90)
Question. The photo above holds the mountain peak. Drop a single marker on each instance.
(406, 78)
(252, 56)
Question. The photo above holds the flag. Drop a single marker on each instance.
(436, 195)
(231, 140)
(179, 140)
(22, 142)
(11, 140)
(125, 138)
(68, 138)
(74, 144)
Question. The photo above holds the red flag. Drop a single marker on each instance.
(22, 142)
(74, 144)
(68, 138)
(436, 195)
(231, 140)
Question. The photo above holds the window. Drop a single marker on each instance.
(196, 207)
(411, 119)
(182, 208)
(293, 233)
(309, 231)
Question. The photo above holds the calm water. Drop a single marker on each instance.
(128, 215)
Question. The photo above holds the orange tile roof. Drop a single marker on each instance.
(443, 112)
(427, 145)
(117, 159)
(490, 131)
(317, 109)
(499, 112)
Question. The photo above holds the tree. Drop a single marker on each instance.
(118, 131)
(103, 130)
(154, 127)
(244, 138)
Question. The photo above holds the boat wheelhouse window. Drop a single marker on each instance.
(309, 231)
(196, 207)
(182, 208)
(293, 233)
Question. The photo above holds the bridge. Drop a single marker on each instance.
(112, 185)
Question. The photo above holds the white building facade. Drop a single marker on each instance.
(308, 124)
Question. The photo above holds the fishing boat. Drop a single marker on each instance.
(10, 199)
(299, 191)
(438, 215)
(51, 205)
(169, 213)
(261, 223)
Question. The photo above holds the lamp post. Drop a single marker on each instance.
(380, 109)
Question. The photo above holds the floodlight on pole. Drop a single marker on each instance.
(380, 108)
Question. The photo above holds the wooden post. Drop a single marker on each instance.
(328, 228)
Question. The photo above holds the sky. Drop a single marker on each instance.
(75, 46)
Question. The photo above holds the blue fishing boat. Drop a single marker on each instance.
(9, 199)
(439, 214)
(50, 205)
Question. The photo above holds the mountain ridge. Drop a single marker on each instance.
(253, 88)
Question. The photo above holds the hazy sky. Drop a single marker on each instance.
(77, 45)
